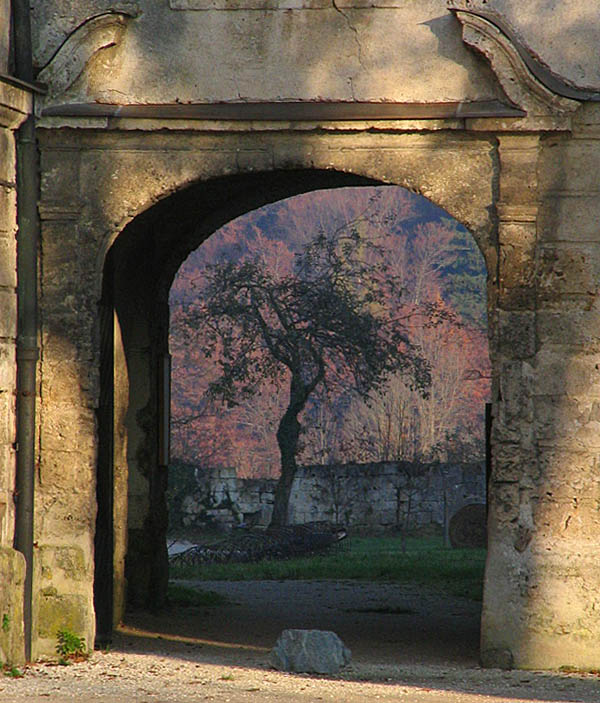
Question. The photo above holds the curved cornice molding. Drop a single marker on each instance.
(72, 56)
(526, 81)
(550, 80)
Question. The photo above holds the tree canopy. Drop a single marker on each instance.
(333, 321)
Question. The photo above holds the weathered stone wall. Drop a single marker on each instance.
(12, 570)
(363, 497)
(541, 595)
(65, 494)
(8, 331)
(15, 105)
(372, 497)
(136, 195)
(4, 35)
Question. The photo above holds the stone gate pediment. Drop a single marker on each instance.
(206, 51)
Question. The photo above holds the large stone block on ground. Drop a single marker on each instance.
(310, 651)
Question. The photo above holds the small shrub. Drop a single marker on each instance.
(14, 672)
(5, 622)
(70, 647)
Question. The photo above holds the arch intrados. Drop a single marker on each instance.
(182, 220)
(137, 275)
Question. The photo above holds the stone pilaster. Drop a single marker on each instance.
(15, 105)
(8, 331)
(542, 596)
(65, 492)
(514, 452)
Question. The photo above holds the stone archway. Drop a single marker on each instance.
(138, 272)
(135, 117)
(135, 189)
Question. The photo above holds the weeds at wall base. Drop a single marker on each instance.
(70, 648)
(13, 672)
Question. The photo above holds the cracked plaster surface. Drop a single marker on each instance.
(396, 51)
(403, 51)
(354, 30)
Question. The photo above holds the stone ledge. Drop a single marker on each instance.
(274, 5)
(16, 104)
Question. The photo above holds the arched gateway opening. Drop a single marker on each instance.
(141, 158)
(130, 548)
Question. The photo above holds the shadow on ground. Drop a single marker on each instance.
(399, 635)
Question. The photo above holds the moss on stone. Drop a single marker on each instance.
(70, 560)
(61, 612)
(12, 569)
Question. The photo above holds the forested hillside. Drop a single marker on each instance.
(443, 309)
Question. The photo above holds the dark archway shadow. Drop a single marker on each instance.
(138, 272)
(383, 623)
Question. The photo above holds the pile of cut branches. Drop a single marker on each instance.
(253, 545)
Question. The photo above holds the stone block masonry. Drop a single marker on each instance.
(374, 497)
(15, 105)
(133, 180)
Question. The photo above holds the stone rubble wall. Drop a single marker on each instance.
(365, 497)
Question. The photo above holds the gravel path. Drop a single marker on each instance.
(409, 645)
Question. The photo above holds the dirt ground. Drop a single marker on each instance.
(409, 644)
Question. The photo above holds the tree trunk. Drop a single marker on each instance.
(287, 438)
(282, 496)
(288, 434)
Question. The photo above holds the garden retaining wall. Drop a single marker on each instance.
(366, 497)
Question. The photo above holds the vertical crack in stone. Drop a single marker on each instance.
(354, 31)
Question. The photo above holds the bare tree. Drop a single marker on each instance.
(326, 322)
(398, 423)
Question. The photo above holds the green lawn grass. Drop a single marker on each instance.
(426, 561)
(181, 595)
